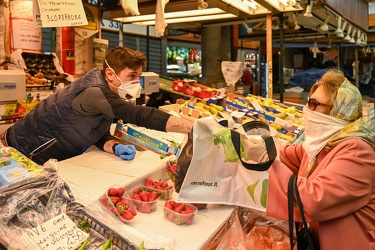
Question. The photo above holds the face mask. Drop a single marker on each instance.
(128, 89)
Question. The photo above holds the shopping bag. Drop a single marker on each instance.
(229, 164)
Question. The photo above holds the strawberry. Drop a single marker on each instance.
(153, 196)
(173, 204)
(132, 211)
(121, 191)
(136, 199)
(124, 201)
(144, 195)
(114, 199)
(112, 192)
(150, 183)
(127, 215)
(188, 219)
(120, 208)
(104, 200)
(145, 208)
(110, 208)
(168, 205)
(137, 190)
(179, 207)
(174, 168)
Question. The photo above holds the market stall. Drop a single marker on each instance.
(91, 173)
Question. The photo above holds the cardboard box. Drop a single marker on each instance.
(12, 85)
(140, 139)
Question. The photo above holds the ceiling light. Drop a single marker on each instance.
(244, 6)
(309, 9)
(172, 10)
(251, 4)
(338, 29)
(296, 4)
(352, 36)
(296, 26)
(283, 5)
(324, 26)
(341, 35)
(248, 29)
(284, 2)
(358, 41)
(347, 37)
(189, 19)
(364, 41)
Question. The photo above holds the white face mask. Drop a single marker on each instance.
(128, 89)
(319, 128)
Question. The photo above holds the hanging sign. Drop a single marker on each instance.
(58, 233)
(62, 13)
(25, 36)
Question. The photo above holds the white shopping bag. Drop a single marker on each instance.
(217, 175)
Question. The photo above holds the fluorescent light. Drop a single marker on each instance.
(202, 12)
(189, 19)
(244, 7)
(251, 4)
(284, 6)
(285, 2)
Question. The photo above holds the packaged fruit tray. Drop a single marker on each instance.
(179, 213)
(117, 202)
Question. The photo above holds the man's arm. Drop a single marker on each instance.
(175, 124)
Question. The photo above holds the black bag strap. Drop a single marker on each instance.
(293, 191)
(292, 179)
(268, 140)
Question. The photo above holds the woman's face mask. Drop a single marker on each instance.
(128, 89)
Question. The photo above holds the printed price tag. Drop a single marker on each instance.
(58, 233)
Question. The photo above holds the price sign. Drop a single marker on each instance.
(62, 13)
(58, 233)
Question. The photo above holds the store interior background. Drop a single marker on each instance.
(194, 50)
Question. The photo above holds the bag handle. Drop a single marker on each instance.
(268, 140)
(292, 179)
(294, 194)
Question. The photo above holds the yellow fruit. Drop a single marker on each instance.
(212, 110)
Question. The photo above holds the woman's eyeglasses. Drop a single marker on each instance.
(312, 103)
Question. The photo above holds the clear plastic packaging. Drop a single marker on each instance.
(144, 200)
(164, 188)
(179, 213)
(117, 202)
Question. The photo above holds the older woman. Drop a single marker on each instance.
(335, 167)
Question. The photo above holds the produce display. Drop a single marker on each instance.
(144, 199)
(14, 111)
(118, 203)
(179, 213)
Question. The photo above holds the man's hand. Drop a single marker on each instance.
(126, 152)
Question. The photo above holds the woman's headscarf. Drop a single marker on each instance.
(348, 107)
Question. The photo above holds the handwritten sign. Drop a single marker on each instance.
(58, 233)
(62, 13)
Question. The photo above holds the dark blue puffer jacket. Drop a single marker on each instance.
(53, 122)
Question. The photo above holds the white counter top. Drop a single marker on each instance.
(91, 173)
